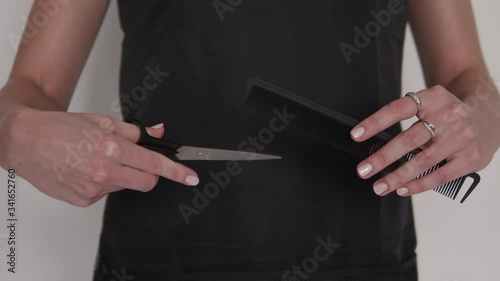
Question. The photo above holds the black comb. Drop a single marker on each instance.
(334, 128)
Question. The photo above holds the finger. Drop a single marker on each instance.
(154, 163)
(84, 202)
(90, 191)
(132, 133)
(413, 168)
(397, 110)
(72, 196)
(401, 109)
(416, 136)
(448, 172)
(156, 131)
(131, 178)
(89, 179)
(127, 130)
(116, 179)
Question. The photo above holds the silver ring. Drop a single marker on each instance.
(429, 128)
(416, 99)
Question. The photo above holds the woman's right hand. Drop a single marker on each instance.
(79, 158)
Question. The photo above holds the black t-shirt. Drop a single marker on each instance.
(186, 63)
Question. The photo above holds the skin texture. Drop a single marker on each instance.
(459, 103)
(36, 134)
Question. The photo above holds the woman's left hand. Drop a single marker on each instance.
(465, 136)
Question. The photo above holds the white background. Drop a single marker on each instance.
(58, 242)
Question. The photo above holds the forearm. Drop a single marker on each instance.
(47, 67)
(447, 40)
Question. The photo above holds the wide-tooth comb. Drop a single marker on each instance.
(334, 129)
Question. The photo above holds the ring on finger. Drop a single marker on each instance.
(414, 96)
(430, 127)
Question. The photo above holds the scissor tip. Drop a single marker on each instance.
(272, 157)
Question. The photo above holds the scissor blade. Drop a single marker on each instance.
(201, 153)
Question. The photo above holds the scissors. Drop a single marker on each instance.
(177, 151)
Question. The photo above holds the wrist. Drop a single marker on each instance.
(11, 115)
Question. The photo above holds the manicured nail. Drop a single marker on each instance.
(379, 188)
(365, 169)
(158, 126)
(402, 191)
(192, 180)
(358, 132)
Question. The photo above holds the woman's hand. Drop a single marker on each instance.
(465, 136)
(79, 158)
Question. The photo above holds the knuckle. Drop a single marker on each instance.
(101, 173)
(475, 154)
(460, 110)
(426, 160)
(150, 183)
(451, 113)
(418, 187)
(83, 202)
(410, 138)
(440, 95)
(396, 107)
(108, 125)
(177, 172)
(442, 177)
(407, 170)
(109, 146)
(90, 192)
(439, 89)
(155, 165)
(394, 180)
(382, 159)
(469, 132)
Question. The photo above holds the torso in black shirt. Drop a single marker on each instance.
(270, 215)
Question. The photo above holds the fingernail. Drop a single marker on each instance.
(379, 188)
(365, 169)
(402, 191)
(358, 132)
(192, 180)
(158, 126)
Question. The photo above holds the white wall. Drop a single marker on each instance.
(58, 242)
(461, 242)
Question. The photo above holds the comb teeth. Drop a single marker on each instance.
(334, 129)
(452, 188)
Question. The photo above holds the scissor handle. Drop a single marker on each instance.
(164, 146)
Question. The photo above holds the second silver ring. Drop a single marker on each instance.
(430, 127)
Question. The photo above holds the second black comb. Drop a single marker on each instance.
(334, 128)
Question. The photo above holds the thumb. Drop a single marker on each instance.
(156, 131)
(132, 133)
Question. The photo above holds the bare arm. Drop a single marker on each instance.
(49, 63)
(447, 40)
(43, 142)
(448, 43)
(446, 36)
(462, 103)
